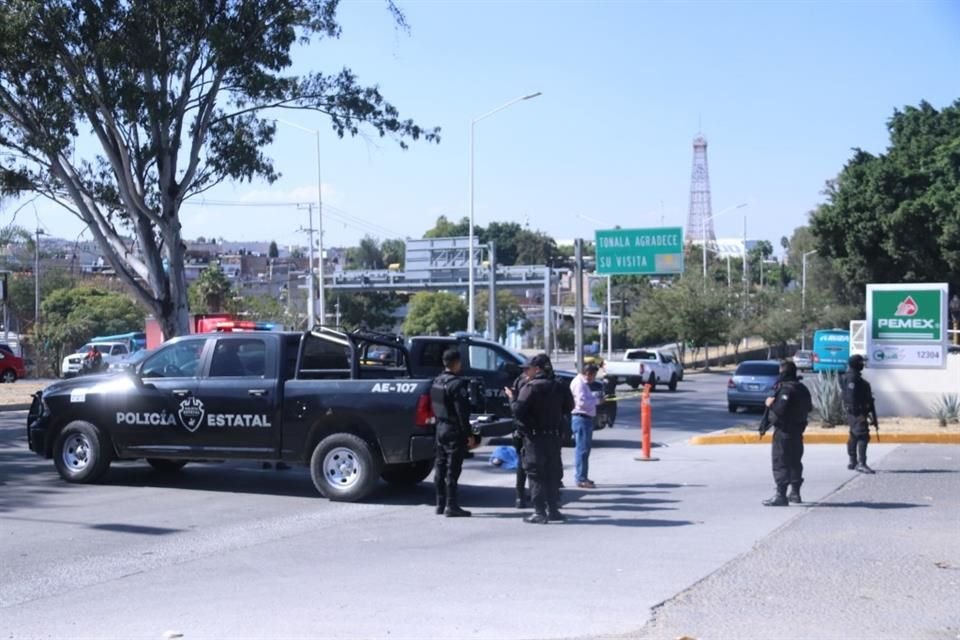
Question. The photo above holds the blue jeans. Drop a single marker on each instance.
(583, 432)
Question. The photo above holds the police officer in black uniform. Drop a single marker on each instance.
(521, 477)
(450, 397)
(858, 400)
(787, 411)
(539, 410)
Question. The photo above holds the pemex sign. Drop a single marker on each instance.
(907, 324)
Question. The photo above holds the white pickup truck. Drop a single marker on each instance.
(643, 366)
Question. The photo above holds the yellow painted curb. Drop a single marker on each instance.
(930, 437)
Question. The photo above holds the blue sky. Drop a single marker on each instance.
(783, 91)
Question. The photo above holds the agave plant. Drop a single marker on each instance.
(947, 409)
(828, 399)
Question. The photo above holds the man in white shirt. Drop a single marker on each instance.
(582, 419)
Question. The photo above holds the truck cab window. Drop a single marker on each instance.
(246, 358)
(432, 355)
(485, 359)
(181, 360)
(324, 358)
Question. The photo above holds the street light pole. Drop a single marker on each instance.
(321, 310)
(803, 299)
(471, 313)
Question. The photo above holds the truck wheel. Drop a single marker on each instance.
(344, 468)
(633, 383)
(9, 376)
(652, 382)
(732, 408)
(166, 466)
(407, 475)
(673, 383)
(79, 453)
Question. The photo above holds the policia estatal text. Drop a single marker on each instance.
(450, 397)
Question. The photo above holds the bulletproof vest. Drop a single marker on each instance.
(798, 407)
(441, 400)
(856, 394)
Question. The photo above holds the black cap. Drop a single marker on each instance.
(541, 361)
(856, 362)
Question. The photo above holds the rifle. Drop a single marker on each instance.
(765, 418)
(764, 422)
(873, 414)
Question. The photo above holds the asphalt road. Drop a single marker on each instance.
(238, 551)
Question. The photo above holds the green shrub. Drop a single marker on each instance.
(947, 409)
(828, 399)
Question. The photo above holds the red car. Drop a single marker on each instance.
(11, 367)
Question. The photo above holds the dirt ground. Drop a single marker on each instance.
(21, 391)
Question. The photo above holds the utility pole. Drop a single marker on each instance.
(578, 310)
(311, 315)
(36, 276)
(492, 302)
(610, 316)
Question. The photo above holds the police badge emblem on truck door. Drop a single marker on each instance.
(191, 413)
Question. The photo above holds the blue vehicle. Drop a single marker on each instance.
(135, 340)
(751, 384)
(831, 350)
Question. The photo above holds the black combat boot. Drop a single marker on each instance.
(453, 510)
(441, 505)
(779, 500)
(852, 464)
(537, 518)
(554, 515)
(794, 495)
(863, 468)
(522, 502)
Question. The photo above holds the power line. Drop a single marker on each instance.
(336, 213)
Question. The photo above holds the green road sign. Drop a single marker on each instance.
(657, 251)
(907, 315)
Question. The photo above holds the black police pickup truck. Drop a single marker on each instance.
(497, 367)
(313, 398)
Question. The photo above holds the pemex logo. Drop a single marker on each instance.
(907, 308)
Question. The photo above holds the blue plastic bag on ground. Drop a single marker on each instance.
(504, 457)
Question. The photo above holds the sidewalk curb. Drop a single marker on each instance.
(929, 437)
(15, 407)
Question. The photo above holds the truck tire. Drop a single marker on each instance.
(344, 468)
(407, 475)
(652, 382)
(164, 465)
(634, 383)
(673, 383)
(80, 453)
(732, 408)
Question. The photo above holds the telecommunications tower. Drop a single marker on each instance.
(700, 220)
